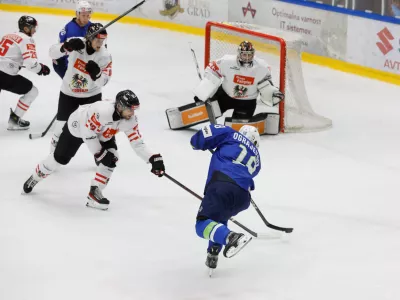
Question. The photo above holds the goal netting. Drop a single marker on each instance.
(282, 51)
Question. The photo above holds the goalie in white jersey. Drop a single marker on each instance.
(231, 82)
(96, 125)
(89, 69)
(18, 50)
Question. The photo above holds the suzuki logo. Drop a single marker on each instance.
(250, 9)
(385, 36)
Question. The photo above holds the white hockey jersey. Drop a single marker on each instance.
(77, 81)
(94, 123)
(17, 50)
(237, 81)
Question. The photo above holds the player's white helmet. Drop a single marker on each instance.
(251, 133)
(83, 6)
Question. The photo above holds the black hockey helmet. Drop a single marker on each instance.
(27, 21)
(246, 52)
(93, 28)
(127, 100)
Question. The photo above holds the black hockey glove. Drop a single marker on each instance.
(93, 69)
(157, 165)
(44, 70)
(106, 158)
(74, 44)
(110, 144)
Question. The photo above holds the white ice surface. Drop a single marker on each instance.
(339, 189)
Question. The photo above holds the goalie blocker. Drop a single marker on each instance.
(196, 113)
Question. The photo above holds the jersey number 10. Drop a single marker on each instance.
(251, 163)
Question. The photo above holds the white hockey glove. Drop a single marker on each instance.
(269, 94)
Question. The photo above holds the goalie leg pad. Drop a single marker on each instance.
(190, 114)
(266, 123)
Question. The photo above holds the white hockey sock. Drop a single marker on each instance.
(45, 168)
(25, 101)
(58, 128)
(103, 175)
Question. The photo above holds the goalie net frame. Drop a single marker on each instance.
(283, 60)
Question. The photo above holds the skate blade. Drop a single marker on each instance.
(93, 204)
(17, 128)
(210, 272)
(243, 241)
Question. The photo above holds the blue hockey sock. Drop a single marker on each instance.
(213, 231)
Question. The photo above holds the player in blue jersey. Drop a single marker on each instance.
(77, 27)
(234, 164)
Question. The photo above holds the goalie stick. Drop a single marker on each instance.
(195, 62)
(207, 103)
(267, 236)
(39, 135)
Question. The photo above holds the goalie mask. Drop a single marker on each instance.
(251, 133)
(246, 53)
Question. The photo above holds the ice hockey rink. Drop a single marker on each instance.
(338, 188)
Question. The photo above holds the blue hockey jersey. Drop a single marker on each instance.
(234, 155)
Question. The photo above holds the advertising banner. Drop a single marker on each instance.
(189, 12)
(323, 32)
(374, 44)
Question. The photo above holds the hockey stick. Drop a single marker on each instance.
(195, 61)
(207, 103)
(115, 20)
(39, 135)
(253, 233)
(268, 224)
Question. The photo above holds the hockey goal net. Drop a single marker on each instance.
(282, 51)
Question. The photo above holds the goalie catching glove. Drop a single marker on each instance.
(269, 94)
(157, 165)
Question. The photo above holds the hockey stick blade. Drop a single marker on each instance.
(33, 136)
(268, 224)
(39, 135)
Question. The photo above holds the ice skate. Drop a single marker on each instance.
(29, 185)
(236, 242)
(96, 199)
(212, 259)
(16, 123)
